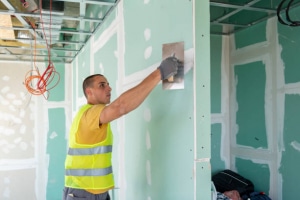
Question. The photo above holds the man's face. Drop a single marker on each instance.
(100, 91)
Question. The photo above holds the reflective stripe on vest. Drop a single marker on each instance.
(90, 151)
(89, 172)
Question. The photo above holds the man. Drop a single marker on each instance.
(88, 168)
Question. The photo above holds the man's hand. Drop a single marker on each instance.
(168, 67)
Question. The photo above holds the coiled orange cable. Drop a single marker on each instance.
(36, 83)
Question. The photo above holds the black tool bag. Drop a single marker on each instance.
(228, 180)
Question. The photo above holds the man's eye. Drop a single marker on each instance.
(103, 85)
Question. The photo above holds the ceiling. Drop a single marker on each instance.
(25, 35)
(24, 28)
(230, 16)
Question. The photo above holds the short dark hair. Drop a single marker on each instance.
(88, 81)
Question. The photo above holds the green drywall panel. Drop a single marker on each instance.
(150, 25)
(202, 95)
(57, 83)
(289, 40)
(74, 82)
(215, 72)
(217, 164)
(290, 161)
(202, 81)
(258, 173)
(176, 175)
(245, 17)
(251, 35)
(216, 29)
(106, 63)
(83, 67)
(56, 149)
(107, 21)
(203, 181)
(160, 146)
(250, 97)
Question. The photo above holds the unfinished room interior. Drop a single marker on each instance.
(235, 110)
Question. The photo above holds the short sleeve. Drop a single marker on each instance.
(89, 130)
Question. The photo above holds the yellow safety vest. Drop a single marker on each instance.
(88, 166)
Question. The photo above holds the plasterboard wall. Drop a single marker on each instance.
(154, 152)
(31, 165)
(262, 68)
(154, 160)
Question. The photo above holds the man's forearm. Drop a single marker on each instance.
(130, 99)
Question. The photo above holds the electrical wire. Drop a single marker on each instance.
(293, 23)
(289, 21)
(36, 83)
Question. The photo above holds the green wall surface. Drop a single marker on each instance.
(56, 142)
(150, 26)
(108, 19)
(154, 145)
(73, 83)
(156, 141)
(267, 109)
(106, 62)
(218, 158)
(216, 52)
(290, 162)
(83, 67)
(217, 163)
(202, 121)
(170, 154)
(289, 40)
(57, 83)
(258, 173)
(250, 95)
(56, 150)
(244, 39)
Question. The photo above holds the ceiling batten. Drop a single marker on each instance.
(231, 16)
(66, 23)
(73, 26)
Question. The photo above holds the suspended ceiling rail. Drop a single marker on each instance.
(227, 17)
(54, 16)
(96, 2)
(236, 17)
(42, 49)
(66, 46)
(11, 8)
(52, 30)
(43, 41)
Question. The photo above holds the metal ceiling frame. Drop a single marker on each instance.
(238, 8)
(71, 47)
(7, 52)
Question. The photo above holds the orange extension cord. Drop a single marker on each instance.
(36, 83)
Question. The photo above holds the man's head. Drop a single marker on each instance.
(96, 89)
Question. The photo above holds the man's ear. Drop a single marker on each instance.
(88, 91)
